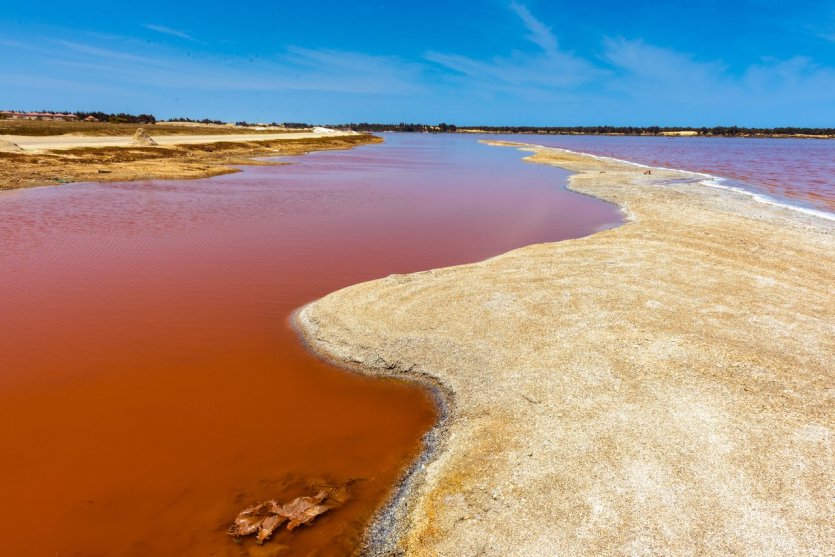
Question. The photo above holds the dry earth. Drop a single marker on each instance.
(31, 128)
(663, 388)
(52, 160)
(68, 141)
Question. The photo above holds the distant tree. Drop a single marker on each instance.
(120, 118)
(729, 131)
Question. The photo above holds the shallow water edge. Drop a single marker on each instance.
(345, 352)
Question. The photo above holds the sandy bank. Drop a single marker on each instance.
(665, 387)
(56, 142)
(50, 160)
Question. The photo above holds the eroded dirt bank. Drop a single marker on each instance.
(200, 157)
(661, 388)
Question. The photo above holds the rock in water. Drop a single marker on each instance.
(142, 139)
(265, 518)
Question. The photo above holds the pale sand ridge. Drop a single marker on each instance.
(143, 157)
(663, 388)
(55, 142)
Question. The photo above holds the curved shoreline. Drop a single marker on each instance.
(387, 524)
(712, 181)
(338, 327)
(384, 528)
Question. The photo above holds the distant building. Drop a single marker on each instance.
(14, 115)
(90, 119)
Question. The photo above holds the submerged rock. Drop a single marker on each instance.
(264, 519)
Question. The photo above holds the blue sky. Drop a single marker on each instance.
(708, 62)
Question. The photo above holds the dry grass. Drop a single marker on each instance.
(110, 164)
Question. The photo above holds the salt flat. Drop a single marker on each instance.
(665, 387)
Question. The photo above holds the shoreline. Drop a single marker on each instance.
(219, 495)
(712, 181)
(35, 144)
(384, 528)
(668, 135)
(343, 328)
(177, 158)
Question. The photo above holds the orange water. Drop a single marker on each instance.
(150, 383)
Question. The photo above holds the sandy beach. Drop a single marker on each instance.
(664, 387)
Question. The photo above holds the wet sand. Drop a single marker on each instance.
(660, 388)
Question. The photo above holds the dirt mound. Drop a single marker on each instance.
(142, 139)
(9, 147)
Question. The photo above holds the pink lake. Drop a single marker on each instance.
(150, 383)
(799, 172)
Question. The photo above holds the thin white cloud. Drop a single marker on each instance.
(99, 52)
(297, 69)
(799, 76)
(518, 71)
(626, 81)
(827, 30)
(12, 44)
(527, 74)
(652, 64)
(651, 81)
(539, 33)
(828, 36)
(169, 31)
(348, 66)
(654, 80)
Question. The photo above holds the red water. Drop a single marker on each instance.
(150, 383)
(798, 171)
